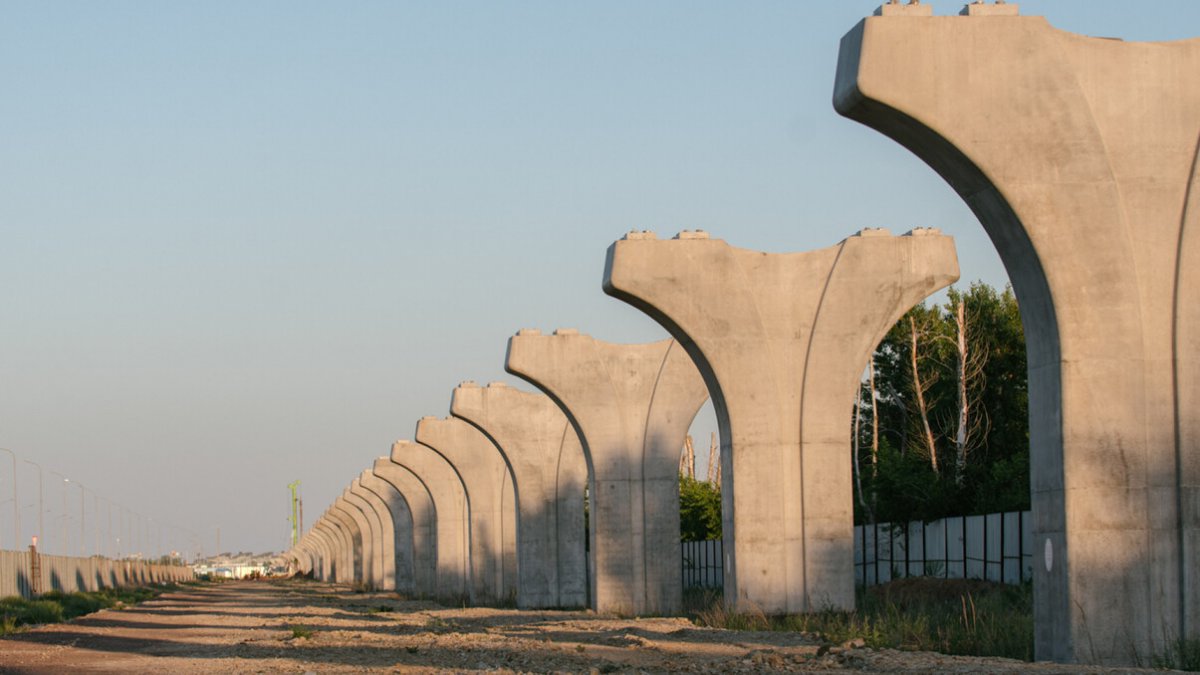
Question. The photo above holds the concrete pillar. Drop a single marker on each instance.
(782, 340)
(356, 542)
(379, 570)
(450, 505)
(631, 406)
(364, 541)
(400, 517)
(422, 554)
(336, 565)
(1080, 157)
(550, 473)
(491, 503)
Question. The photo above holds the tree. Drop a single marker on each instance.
(946, 382)
(699, 510)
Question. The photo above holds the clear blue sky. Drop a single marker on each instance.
(247, 243)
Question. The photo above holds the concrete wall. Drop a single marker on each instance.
(69, 574)
(1079, 156)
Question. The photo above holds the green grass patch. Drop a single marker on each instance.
(951, 616)
(299, 631)
(56, 606)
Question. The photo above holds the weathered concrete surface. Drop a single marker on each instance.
(423, 551)
(491, 501)
(402, 528)
(631, 406)
(449, 498)
(323, 567)
(386, 551)
(373, 567)
(782, 341)
(342, 563)
(550, 473)
(359, 537)
(1079, 156)
(335, 564)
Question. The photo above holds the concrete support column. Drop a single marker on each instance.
(377, 569)
(1080, 157)
(387, 531)
(782, 341)
(423, 553)
(356, 542)
(632, 406)
(450, 505)
(491, 501)
(388, 498)
(546, 459)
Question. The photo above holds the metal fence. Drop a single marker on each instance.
(996, 547)
(703, 566)
(62, 573)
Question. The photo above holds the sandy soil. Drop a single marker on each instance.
(246, 627)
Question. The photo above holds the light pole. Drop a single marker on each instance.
(65, 546)
(16, 504)
(82, 538)
(41, 534)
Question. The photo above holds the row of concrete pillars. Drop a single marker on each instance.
(1091, 203)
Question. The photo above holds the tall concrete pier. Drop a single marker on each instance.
(374, 566)
(631, 406)
(491, 501)
(402, 528)
(550, 473)
(423, 542)
(1080, 157)
(450, 505)
(387, 531)
(782, 340)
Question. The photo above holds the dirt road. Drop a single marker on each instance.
(306, 627)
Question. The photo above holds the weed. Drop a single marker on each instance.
(1180, 654)
(299, 631)
(953, 616)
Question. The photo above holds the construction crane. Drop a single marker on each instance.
(294, 486)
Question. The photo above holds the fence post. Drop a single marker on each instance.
(35, 571)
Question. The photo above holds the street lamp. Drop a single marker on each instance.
(65, 546)
(82, 538)
(16, 504)
(41, 534)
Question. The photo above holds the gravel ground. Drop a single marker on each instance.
(247, 627)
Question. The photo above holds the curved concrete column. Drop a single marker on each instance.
(324, 569)
(356, 540)
(546, 459)
(782, 341)
(387, 534)
(422, 553)
(336, 564)
(631, 406)
(491, 503)
(1080, 157)
(367, 542)
(373, 565)
(450, 506)
(387, 499)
